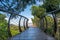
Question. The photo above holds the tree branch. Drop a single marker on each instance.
(3, 4)
(12, 13)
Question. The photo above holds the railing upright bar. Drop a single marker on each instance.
(46, 24)
(20, 30)
(27, 23)
(55, 23)
(24, 24)
(9, 33)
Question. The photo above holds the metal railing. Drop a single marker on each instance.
(25, 25)
(12, 19)
(53, 15)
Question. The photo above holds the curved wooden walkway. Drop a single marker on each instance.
(32, 33)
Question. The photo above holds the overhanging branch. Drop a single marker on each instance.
(11, 12)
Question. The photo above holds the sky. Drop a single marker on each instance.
(26, 13)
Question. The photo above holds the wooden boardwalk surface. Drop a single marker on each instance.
(32, 33)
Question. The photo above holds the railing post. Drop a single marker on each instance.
(24, 24)
(46, 24)
(42, 23)
(9, 33)
(55, 23)
(27, 23)
(19, 25)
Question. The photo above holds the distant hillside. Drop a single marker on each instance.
(15, 29)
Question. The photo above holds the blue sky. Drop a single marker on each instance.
(27, 13)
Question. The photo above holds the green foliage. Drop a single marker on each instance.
(49, 30)
(50, 20)
(3, 28)
(14, 30)
(35, 21)
(15, 6)
(38, 11)
(50, 23)
(51, 5)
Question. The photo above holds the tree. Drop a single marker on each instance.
(50, 23)
(3, 28)
(14, 6)
(38, 11)
(36, 21)
(51, 5)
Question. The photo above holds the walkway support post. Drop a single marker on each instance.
(27, 23)
(55, 24)
(9, 33)
(41, 23)
(45, 24)
(19, 25)
(24, 24)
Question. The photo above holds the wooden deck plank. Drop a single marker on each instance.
(32, 34)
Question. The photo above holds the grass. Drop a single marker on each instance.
(15, 29)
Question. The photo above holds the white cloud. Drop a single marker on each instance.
(6, 19)
(16, 21)
(39, 3)
(30, 22)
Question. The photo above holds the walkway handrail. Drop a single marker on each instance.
(53, 13)
(19, 24)
(15, 14)
(11, 12)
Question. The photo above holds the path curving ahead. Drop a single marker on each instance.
(32, 33)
